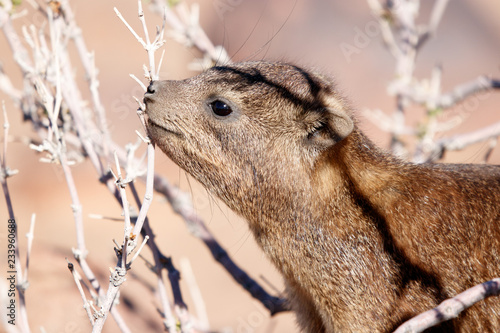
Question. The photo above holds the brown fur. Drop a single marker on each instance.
(364, 241)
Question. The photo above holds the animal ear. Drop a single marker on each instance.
(330, 124)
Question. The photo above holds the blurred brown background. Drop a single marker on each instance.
(305, 32)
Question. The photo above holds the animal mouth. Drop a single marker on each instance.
(172, 129)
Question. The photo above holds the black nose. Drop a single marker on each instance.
(151, 88)
(149, 96)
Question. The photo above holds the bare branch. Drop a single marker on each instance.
(118, 275)
(149, 46)
(465, 90)
(138, 252)
(78, 281)
(455, 96)
(88, 61)
(121, 184)
(7, 87)
(148, 195)
(4, 174)
(139, 81)
(461, 141)
(451, 308)
(169, 319)
(19, 51)
(120, 16)
(29, 236)
(6, 127)
(187, 30)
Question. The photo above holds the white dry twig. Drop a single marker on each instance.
(186, 29)
(30, 235)
(461, 141)
(451, 308)
(4, 174)
(60, 71)
(129, 241)
(149, 46)
(78, 282)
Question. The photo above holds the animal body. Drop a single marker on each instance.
(363, 240)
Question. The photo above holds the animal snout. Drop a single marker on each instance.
(151, 88)
(150, 94)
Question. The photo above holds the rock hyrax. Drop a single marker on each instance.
(363, 240)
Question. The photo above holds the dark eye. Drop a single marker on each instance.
(220, 108)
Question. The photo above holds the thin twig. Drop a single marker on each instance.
(88, 61)
(148, 195)
(78, 282)
(6, 127)
(461, 92)
(149, 46)
(118, 274)
(188, 31)
(29, 236)
(4, 174)
(120, 16)
(116, 279)
(121, 184)
(143, 86)
(460, 141)
(139, 250)
(451, 308)
(169, 319)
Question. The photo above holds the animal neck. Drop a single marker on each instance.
(349, 206)
(331, 205)
(373, 175)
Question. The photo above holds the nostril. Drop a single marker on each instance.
(151, 88)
